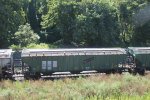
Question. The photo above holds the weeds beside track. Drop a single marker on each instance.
(100, 87)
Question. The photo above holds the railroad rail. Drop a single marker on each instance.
(20, 77)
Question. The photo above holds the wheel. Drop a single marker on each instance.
(119, 71)
(141, 71)
(108, 72)
(75, 72)
(27, 76)
(37, 75)
(132, 71)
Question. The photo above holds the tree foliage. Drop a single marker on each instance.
(25, 35)
(88, 23)
(80, 23)
(11, 16)
(96, 24)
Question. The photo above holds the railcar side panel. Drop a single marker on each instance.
(73, 61)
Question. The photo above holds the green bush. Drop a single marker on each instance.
(40, 46)
(33, 46)
(15, 47)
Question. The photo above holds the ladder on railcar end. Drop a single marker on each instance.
(17, 62)
(17, 66)
(132, 66)
(128, 65)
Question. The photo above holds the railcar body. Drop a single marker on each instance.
(141, 57)
(73, 60)
(6, 62)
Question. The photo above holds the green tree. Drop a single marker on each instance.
(25, 35)
(11, 16)
(34, 10)
(126, 10)
(141, 36)
(96, 24)
(83, 22)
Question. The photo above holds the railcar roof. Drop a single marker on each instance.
(139, 50)
(73, 51)
(5, 53)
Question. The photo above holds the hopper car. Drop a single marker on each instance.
(72, 60)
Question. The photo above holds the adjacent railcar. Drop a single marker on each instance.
(73, 60)
(141, 57)
(6, 63)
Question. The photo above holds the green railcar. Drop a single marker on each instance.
(73, 60)
(141, 56)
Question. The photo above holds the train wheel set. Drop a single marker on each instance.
(35, 63)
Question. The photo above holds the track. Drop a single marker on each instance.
(20, 77)
(71, 76)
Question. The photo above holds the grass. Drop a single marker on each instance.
(103, 87)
